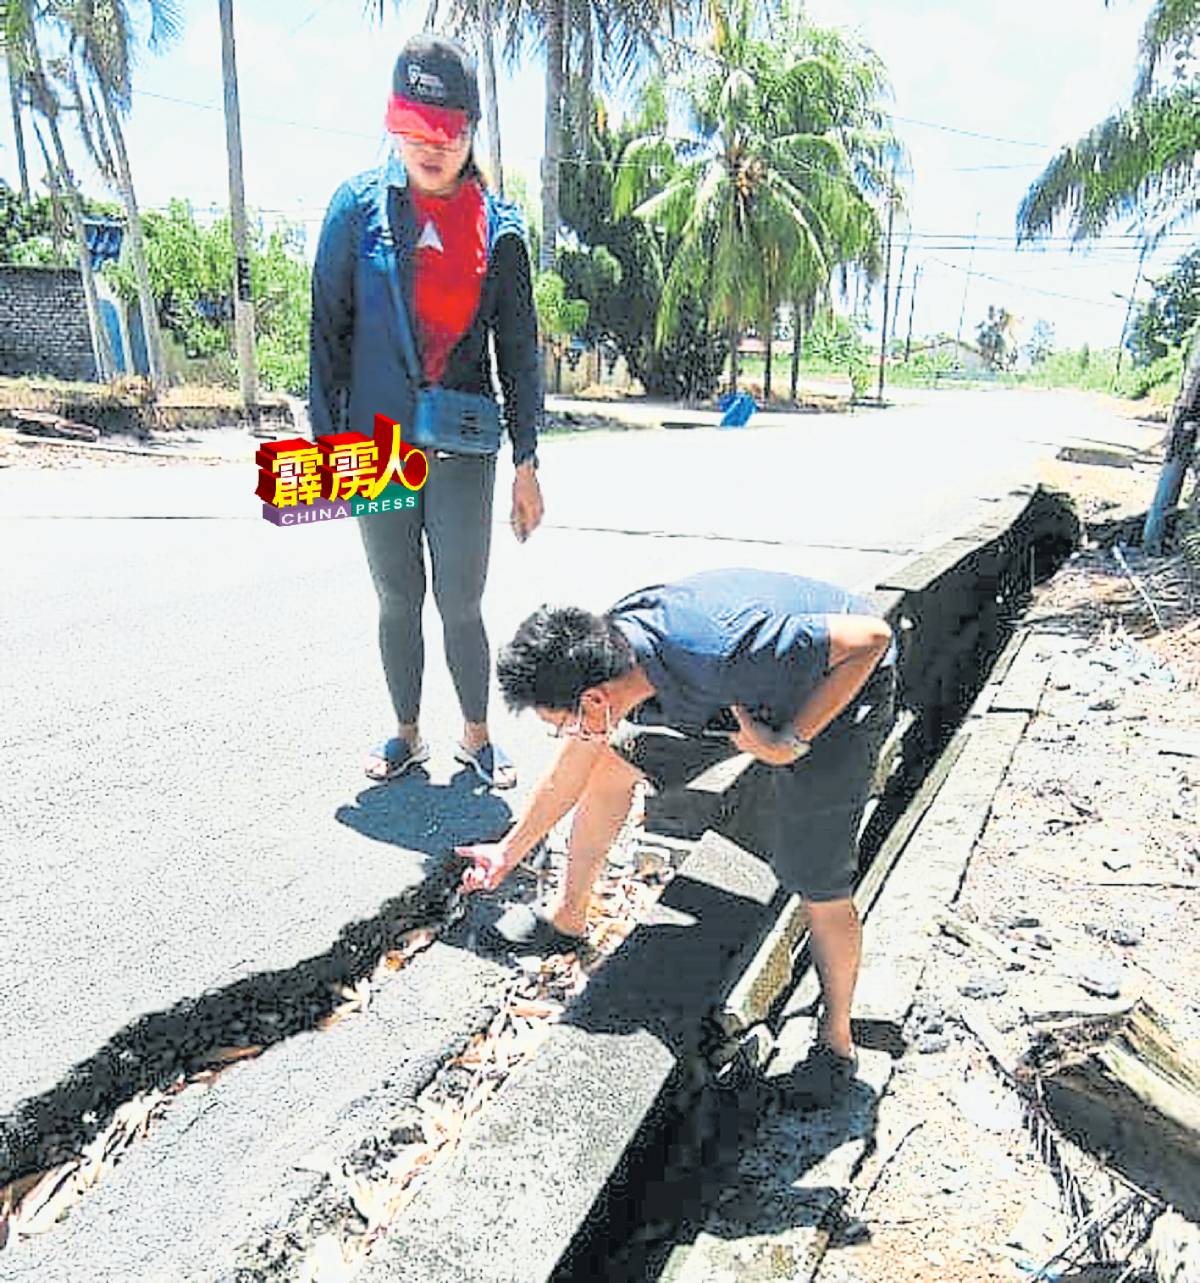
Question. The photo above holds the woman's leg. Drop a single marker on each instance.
(397, 563)
(458, 520)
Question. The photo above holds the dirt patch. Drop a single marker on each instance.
(128, 406)
(24, 453)
(1089, 868)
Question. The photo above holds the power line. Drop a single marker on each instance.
(275, 120)
(971, 133)
(1017, 285)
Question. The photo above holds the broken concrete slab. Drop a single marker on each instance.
(530, 1169)
(223, 1181)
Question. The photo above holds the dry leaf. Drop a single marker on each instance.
(44, 1204)
(537, 1009)
(369, 1200)
(411, 943)
(13, 1193)
(92, 1163)
(230, 1055)
(409, 1162)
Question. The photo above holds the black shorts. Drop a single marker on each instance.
(804, 818)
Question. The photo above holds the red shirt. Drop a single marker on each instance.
(450, 267)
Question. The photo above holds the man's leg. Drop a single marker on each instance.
(601, 811)
(836, 941)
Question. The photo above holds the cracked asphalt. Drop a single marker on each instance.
(187, 691)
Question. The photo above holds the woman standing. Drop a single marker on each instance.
(418, 265)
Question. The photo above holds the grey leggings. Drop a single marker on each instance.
(454, 509)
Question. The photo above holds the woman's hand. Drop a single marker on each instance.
(489, 865)
(749, 739)
(527, 506)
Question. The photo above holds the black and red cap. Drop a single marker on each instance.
(435, 90)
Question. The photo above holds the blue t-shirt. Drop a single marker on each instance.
(752, 637)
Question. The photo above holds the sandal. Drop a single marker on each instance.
(526, 930)
(397, 755)
(491, 763)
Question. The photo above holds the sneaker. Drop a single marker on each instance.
(823, 1078)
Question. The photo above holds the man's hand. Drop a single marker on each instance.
(490, 865)
(750, 739)
(527, 506)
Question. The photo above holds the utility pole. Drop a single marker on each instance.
(887, 283)
(900, 279)
(912, 305)
(243, 304)
(1181, 449)
(1129, 302)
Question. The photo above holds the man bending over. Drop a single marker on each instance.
(671, 680)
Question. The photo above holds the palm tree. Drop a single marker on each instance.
(764, 197)
(623, 32)
(101, 42)
(1141, 161)
(23, 53)
(15, 96)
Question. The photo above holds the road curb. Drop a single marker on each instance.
(517, 1202)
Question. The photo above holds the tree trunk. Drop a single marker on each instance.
(137, 248)
(797, 346)
(487, 43)
(14, 93)
(587, 76)
(1124, 1088)
(735, 337)
(1181, 447)
(58, 218)
(101, 349)
(555, 62)
(769, 329)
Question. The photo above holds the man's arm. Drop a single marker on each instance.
(856, 645)
(554, 795)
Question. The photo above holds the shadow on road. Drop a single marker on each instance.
(266, 1007)
(418, 815)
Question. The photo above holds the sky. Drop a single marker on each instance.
(984, 95)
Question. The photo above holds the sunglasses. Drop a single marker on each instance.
(428, 144)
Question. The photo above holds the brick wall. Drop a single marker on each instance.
(43, 323)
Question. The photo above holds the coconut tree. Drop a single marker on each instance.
(578, 39)
(835, 87)
(1140, 162)
(101, 42)
(763, 195)
(24, 55)
(15, 96)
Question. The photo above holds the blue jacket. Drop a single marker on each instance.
(364, 272)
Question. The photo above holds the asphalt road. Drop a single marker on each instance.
(187, 691)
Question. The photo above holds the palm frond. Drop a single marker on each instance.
(1144, 154)
(1170, 28)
